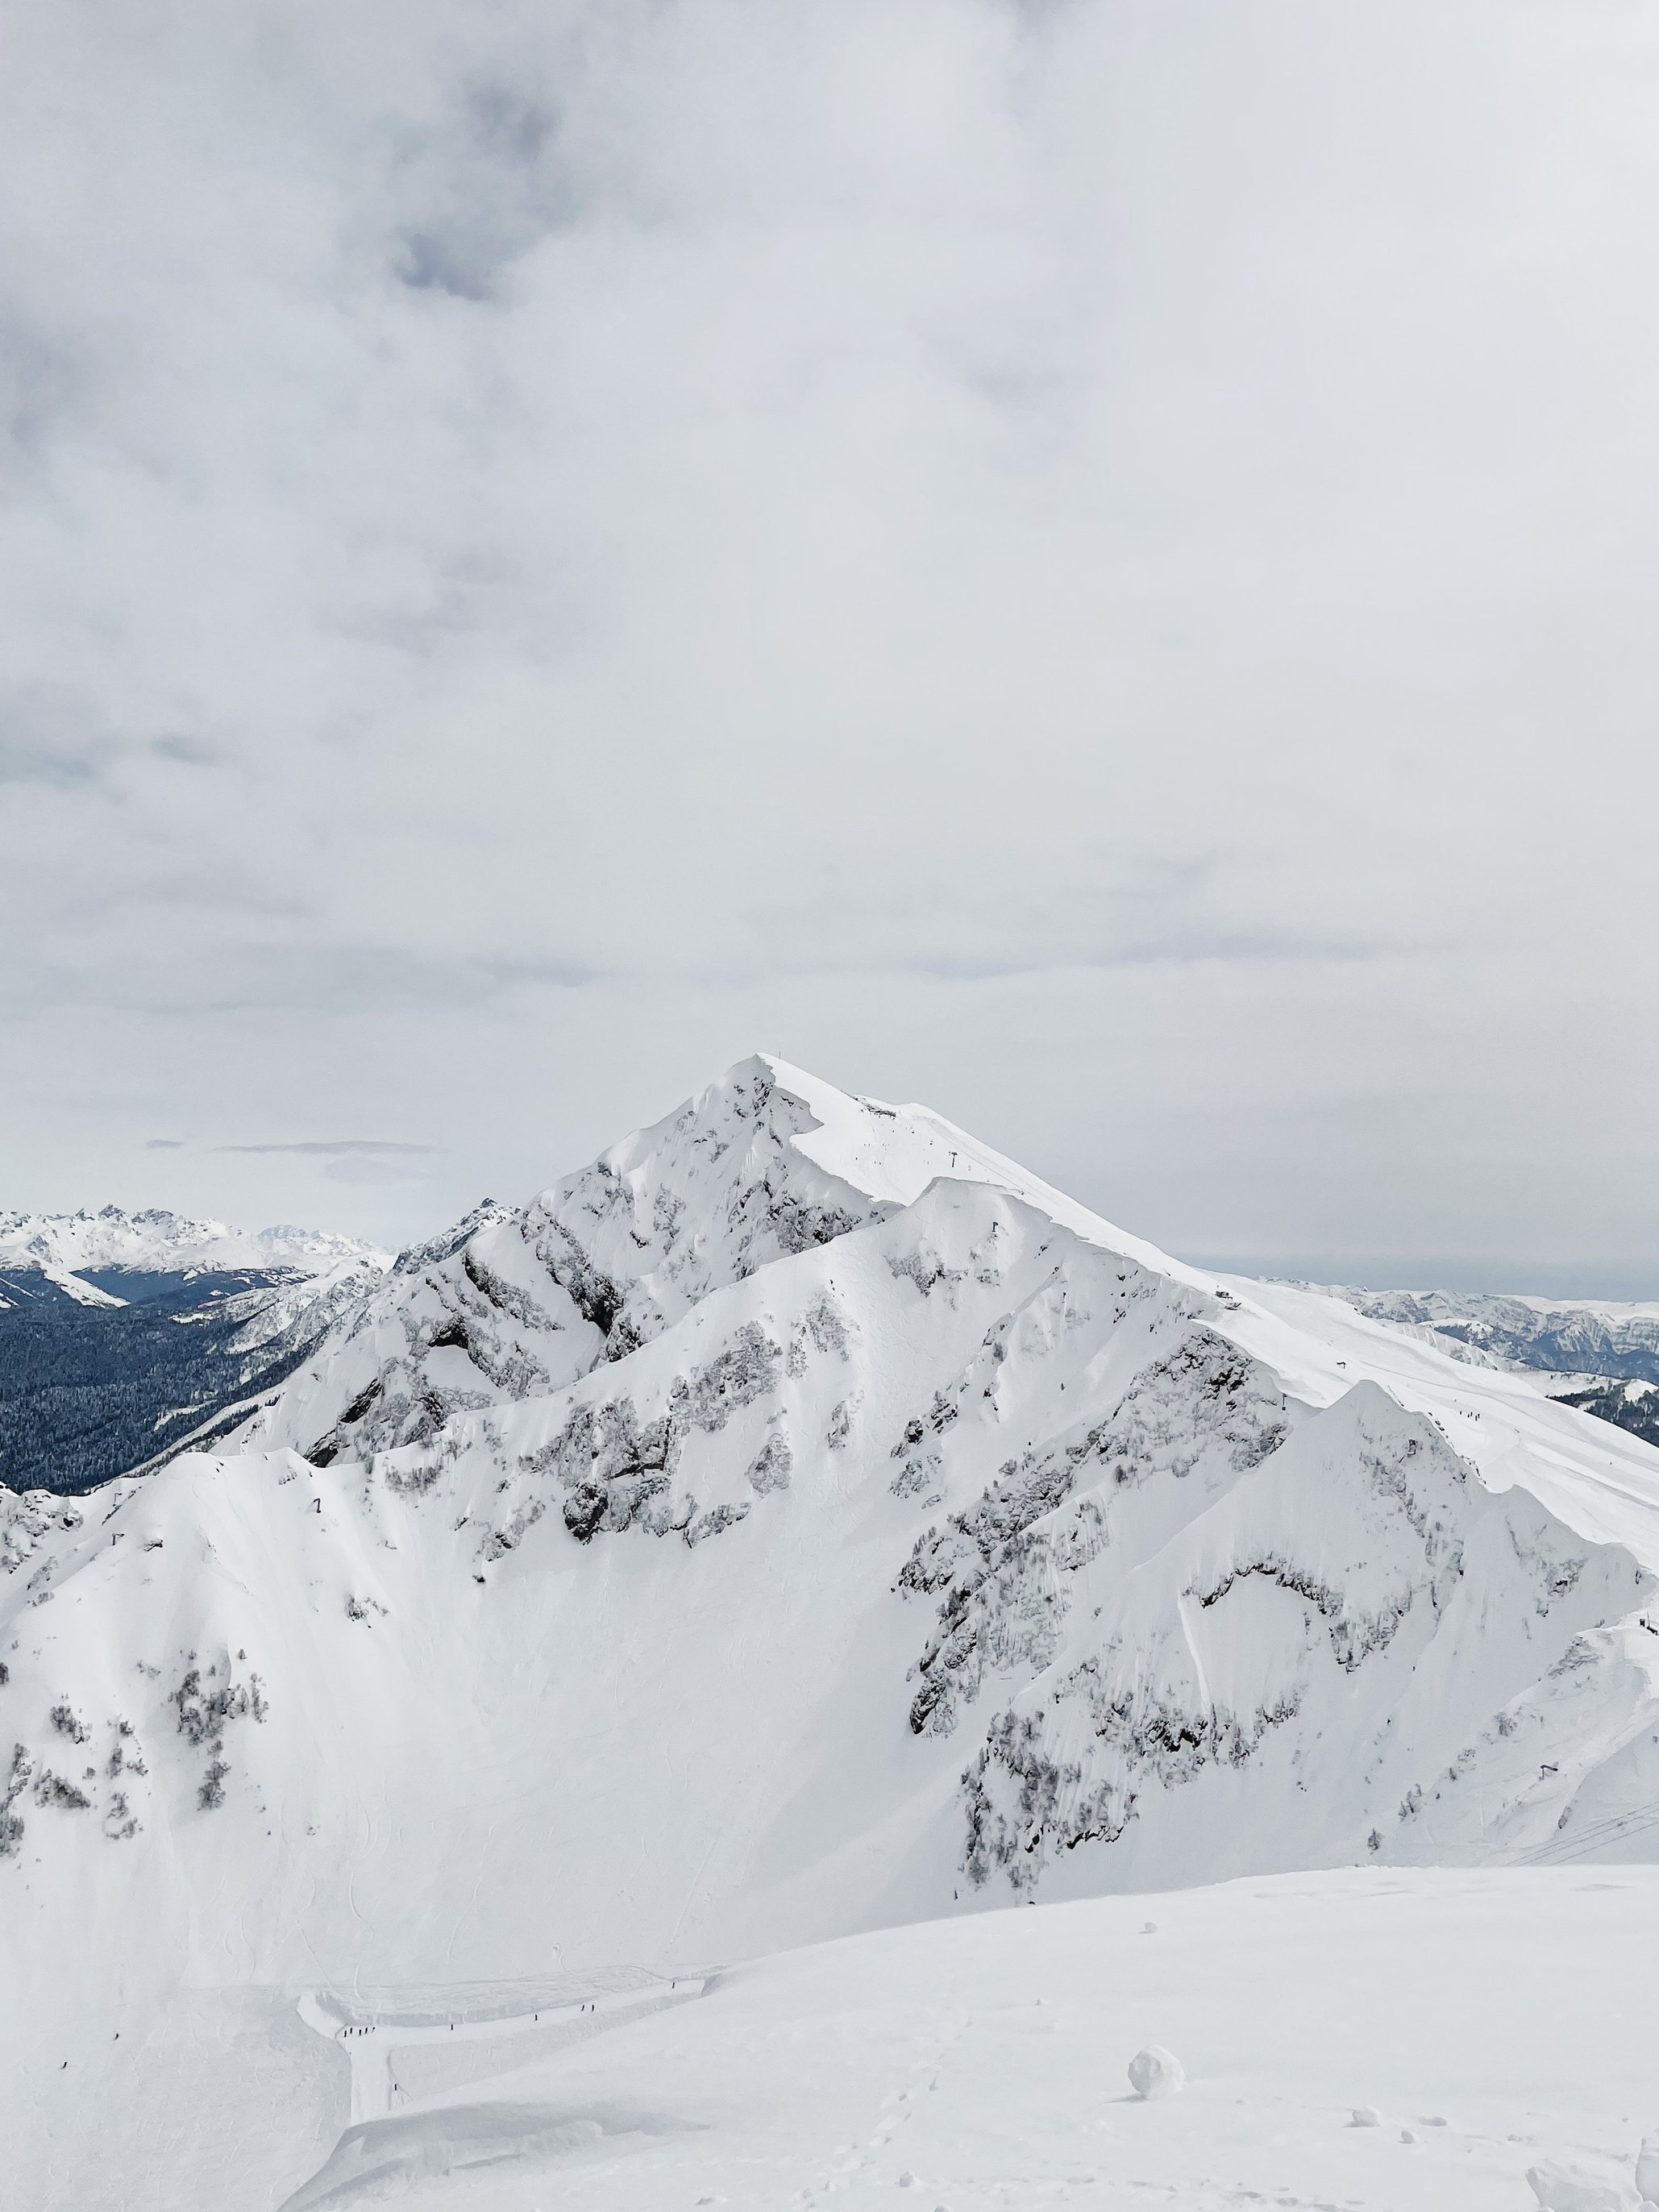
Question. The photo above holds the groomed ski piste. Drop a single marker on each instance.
(803, 1528)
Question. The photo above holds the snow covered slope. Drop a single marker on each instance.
(1419, 2041)
(986, 2065)
(798, 1522)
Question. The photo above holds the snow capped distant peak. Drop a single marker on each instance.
(155, 1240)
(1578, 1337)
(286, 1246)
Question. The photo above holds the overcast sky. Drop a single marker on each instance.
(1096, 565)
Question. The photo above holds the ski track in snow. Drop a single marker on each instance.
(398, 2051)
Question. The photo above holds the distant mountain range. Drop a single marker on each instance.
(157, 1242)
(1597, 1354)
(1569, 1336)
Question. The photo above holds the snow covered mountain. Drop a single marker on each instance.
(802, 1521)
(514, 1302)
(1563, 1336)
(1598, 1354)
(157, 1242)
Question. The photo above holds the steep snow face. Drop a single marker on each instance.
(1356, 1643)
(155, 1242)
(781, 1529)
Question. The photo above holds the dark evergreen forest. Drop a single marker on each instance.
(88, 1391)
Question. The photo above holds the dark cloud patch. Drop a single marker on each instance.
(193, 753)
(61, 769)
(40, 381)
(436, 261)
(489, 183)
(47, 735)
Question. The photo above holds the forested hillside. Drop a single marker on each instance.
(90, 1391)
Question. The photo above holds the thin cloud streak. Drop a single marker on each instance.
(338, 1147)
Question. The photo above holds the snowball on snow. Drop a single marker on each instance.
(1367, 2115)
(1565, 2188)
(1156, 2072)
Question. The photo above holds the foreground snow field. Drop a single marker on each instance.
(1500, 2020)
(802, 1522)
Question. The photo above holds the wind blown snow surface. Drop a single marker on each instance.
(799, 1522)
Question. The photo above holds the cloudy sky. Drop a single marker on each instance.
(1095, 564)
